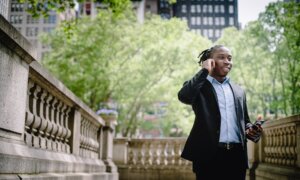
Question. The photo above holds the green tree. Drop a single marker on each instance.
(266, 60)
(134, 64)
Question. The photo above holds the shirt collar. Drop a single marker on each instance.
(213, 80)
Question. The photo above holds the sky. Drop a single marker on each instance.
(249, 9)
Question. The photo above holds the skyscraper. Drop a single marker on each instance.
(208, 17)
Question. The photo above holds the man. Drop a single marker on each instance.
(217, 142)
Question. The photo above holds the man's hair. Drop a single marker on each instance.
(206, 54)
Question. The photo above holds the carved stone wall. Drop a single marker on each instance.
(46, 132)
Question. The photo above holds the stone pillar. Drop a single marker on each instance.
(110, 118)
(14, 69)
(120, 151)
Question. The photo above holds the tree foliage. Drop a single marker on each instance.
(134, 64)
(266, 60)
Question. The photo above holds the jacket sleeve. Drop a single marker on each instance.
(246, 115)
(188, 92)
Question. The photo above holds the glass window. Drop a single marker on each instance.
(198, 8)
(222, 21)
(31, 20)
(231, 21)
(193, 20)
(51, 19)
(31, 31)
(222, 8)
(183, 8)
(193, 8)
(217, 33)
(205, 20)
(217, 8)
(230, 9)
(210, 20)
(210, 8)
(210, 33)
(217, 21)
(204, 8)
(198, 20)
(205, 33)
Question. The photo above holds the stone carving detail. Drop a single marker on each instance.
(280, 145)
(89, 139)
(46, 123)
(156, 153)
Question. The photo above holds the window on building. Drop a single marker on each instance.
(231, 21)
(31, 20)
(205, 33)
(48, 29)
(16, 19)
(210, 20)
(31, 31)
(217, 33)
(217, 7)
(204, 8)
(217, 21)
(193, 20)
(222, 21)
(198, 19)
(193, 8)
(210, 33)
(199, 8)
(205, 20)
(230, 10)
(184, 18)
(222, 8)
(210, 8)
(51, 19)
(16, 7)
(183, 8)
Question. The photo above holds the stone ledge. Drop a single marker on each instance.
(11, 37)
(20, 159)
(61, 176)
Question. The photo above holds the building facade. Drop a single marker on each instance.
(4, 4)
(31, 27)
(208, 17)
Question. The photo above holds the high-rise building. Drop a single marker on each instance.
(4, 8)
(31, 27)
(208, 17)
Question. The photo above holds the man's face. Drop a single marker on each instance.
(223, 61)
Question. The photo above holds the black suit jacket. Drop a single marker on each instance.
(202, 142)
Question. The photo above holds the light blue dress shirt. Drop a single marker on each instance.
(229, 127)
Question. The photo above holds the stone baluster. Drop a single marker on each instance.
(130, 154)
(68, 135)
(139, 154)
(29, 118)
(49, 128)
(171, 154)
(42, 114)
(64, 127)
(177, 150)
(54, 130)
(164, 153)
(148, 154)
(59, 127)
(37, 120)
(156, 154)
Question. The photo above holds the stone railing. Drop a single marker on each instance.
(151, 159)
(46, 132)
(275, 156)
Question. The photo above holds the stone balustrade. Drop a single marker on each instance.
(151, 159)
(276, 156)
(46, 132)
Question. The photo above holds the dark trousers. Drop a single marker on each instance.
(228, 164)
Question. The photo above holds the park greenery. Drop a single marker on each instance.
(137, 65)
